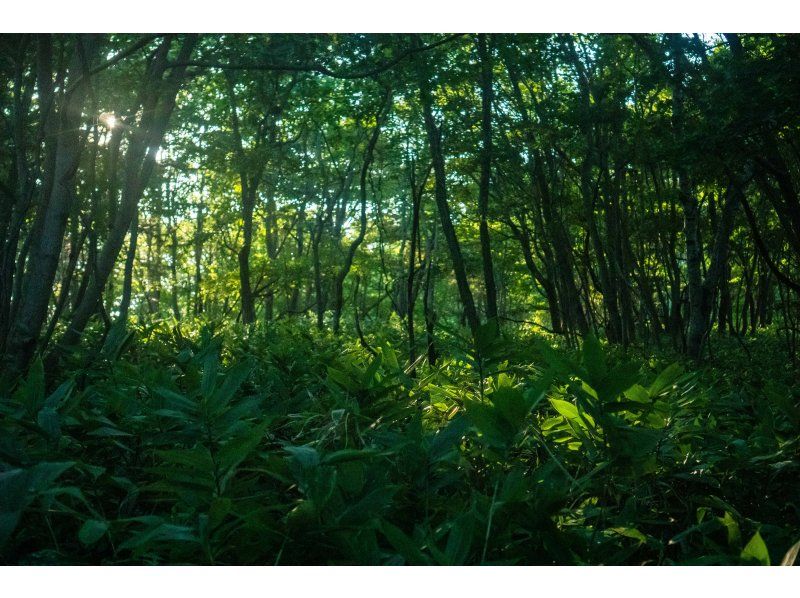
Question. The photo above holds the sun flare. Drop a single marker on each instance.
(109, 120)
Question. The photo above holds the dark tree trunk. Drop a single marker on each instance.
(249, 184)
(127, 283)
(427, 300)
(440, 194)
(199, 239)
(411, 277)
(484, 53)
(58, 196)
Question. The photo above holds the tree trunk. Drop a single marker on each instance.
(691, 225)
(125, 303)
(39, 277)
(199, 239)
(249, 189)
(411, 288)
(427, 300)
(440, 194)
(484, 52)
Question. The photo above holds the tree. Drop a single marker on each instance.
(440, 194)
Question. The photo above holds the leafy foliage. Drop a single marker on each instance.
(284, 447)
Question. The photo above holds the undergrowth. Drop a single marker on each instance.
(285, 446)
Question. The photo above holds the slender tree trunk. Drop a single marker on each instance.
(440, 194)
(66, 282)
(319, 292)
(271, 245)
(484, 52)
(127, 283)
(522, 234)
(294, 299)
(173, 267)
(199, 239)
(411, 288)
(249, 185)
(428, 300)
(245, 289)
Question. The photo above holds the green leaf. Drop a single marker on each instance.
(390, 358)
(494, 430)
(618, 380)
(368, 507)
(557, 362)
(116, 340)
(196, 458)
(537, 392)
(593, 360)
(448, 438)
(18, 487)
(174, 402)
(369, 375)
(514, 486)
(236, 451)
(459, 540)
(565, 408)
(162, 532)
(665, 379)
(219, 509)
(320, 484)
(487, 338)
(74, 492)
(48, 418)
(756, 550)
(50, 422)
(108, 431)
(341, 378)
(351, 477)
(59, 395)
(91, 531)
(404, 545)
(234, 378)
(630, 532)
(345, 455)
(638, 394)
(44, 474)
(31, 392)
(734, 535)
(210, 369)
(305, 456)
(8, 523)
(511, 404)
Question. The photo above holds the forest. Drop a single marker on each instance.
(400, 299)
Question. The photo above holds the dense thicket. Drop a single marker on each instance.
(446, 195)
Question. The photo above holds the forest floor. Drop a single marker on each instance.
(288, 446)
